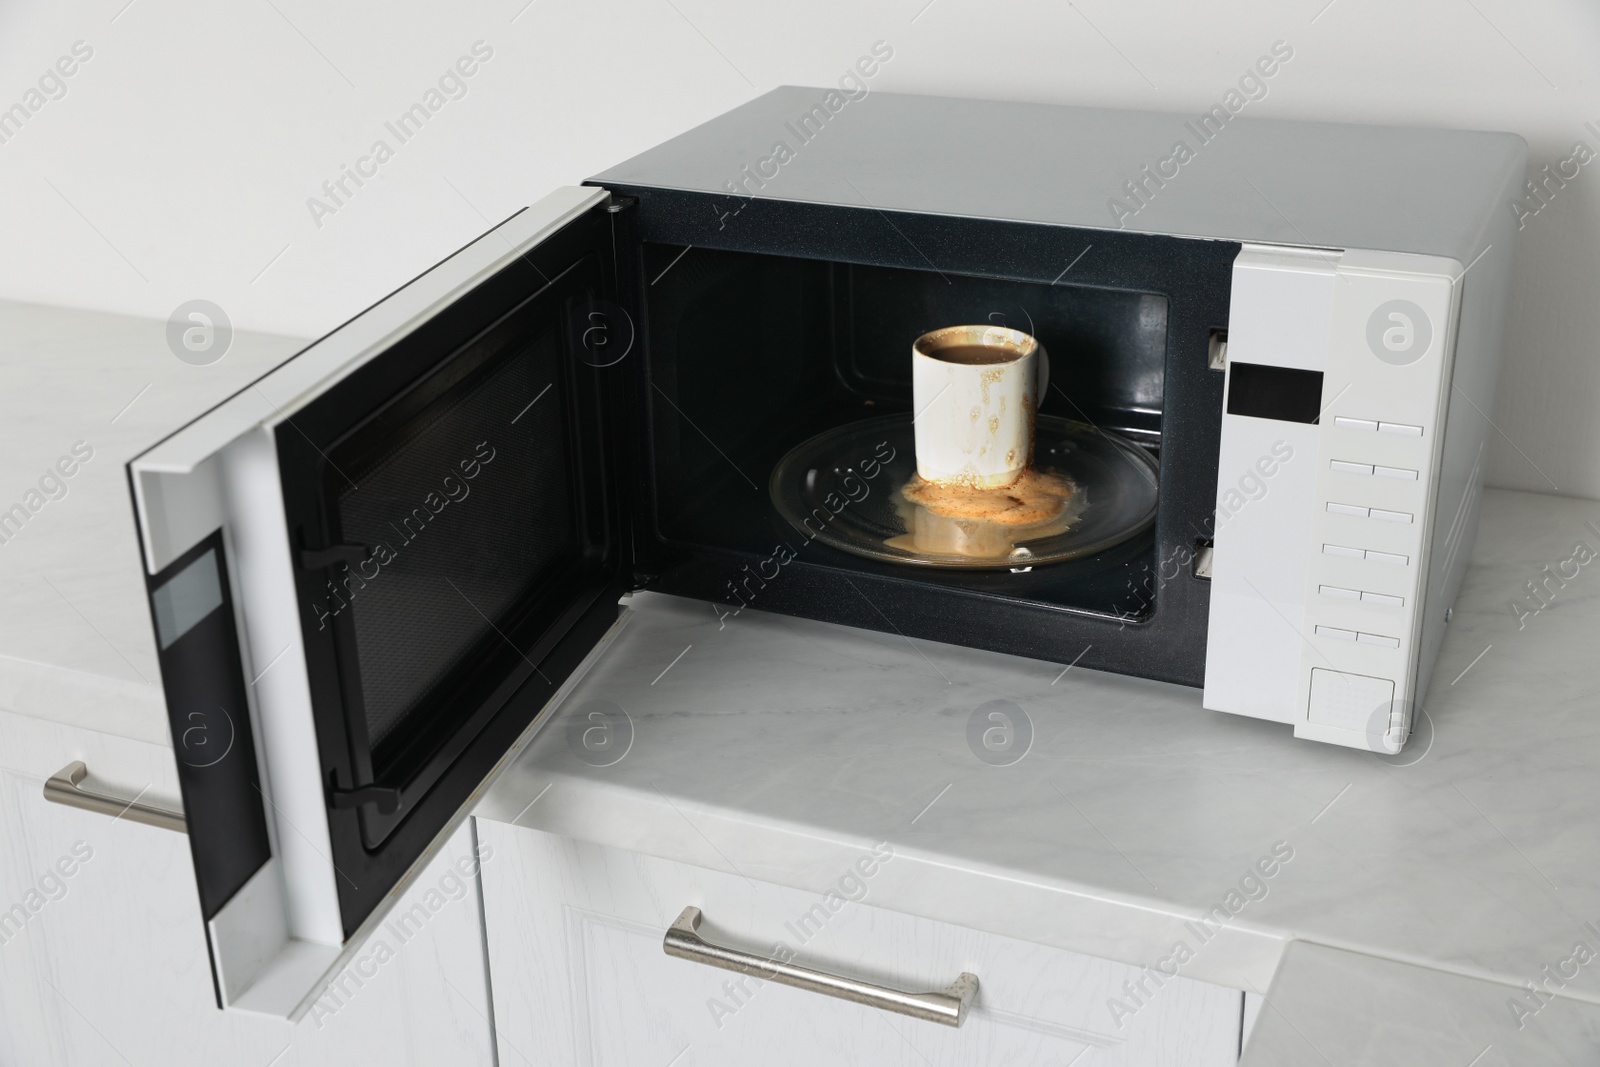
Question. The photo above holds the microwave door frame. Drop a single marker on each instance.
(277, 942)
(381, 816)
(418, 757)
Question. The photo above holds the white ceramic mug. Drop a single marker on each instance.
(975, 392)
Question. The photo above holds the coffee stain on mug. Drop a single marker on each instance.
(988, 378)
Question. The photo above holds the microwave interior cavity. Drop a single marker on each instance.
(752, 351)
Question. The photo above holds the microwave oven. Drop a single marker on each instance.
(385, 558)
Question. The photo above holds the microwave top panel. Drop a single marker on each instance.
(1236, 178)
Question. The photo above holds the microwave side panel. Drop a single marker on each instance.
(1485, 291)
(278, 940)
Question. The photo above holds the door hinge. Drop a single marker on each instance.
(386, 797)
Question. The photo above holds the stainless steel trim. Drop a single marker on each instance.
(947, 1006)
(63, 788)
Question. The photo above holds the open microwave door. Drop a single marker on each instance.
(373, 568)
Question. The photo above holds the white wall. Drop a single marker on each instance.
(180, 160)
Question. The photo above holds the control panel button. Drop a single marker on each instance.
(1390, 516)
(1336, 633)
(1341, 550)
(1339, 592)
(1395, 472)
(1347, 509)
(1347, 467)
(1402, 429)
(1383, 600)
(1348, 701)
(1387, 557)
(1355, 424)
(1378, 639)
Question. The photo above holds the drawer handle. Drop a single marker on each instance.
(63, 788)
(947, 1006)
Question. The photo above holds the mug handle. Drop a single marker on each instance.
(1044, 376)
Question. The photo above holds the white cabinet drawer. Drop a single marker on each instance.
(103, 955)
(579, 976)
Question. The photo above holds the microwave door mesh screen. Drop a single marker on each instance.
(466, 509)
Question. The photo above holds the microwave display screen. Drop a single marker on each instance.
(186, 599)
(1287, 394)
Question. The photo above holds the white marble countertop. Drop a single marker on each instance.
(76, 645)
(777, 748)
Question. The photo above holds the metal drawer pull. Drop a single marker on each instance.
(63, 788)
(947, 1006)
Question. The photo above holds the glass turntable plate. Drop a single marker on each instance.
(842, 487)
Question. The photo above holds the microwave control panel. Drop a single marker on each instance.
(1337, 378)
